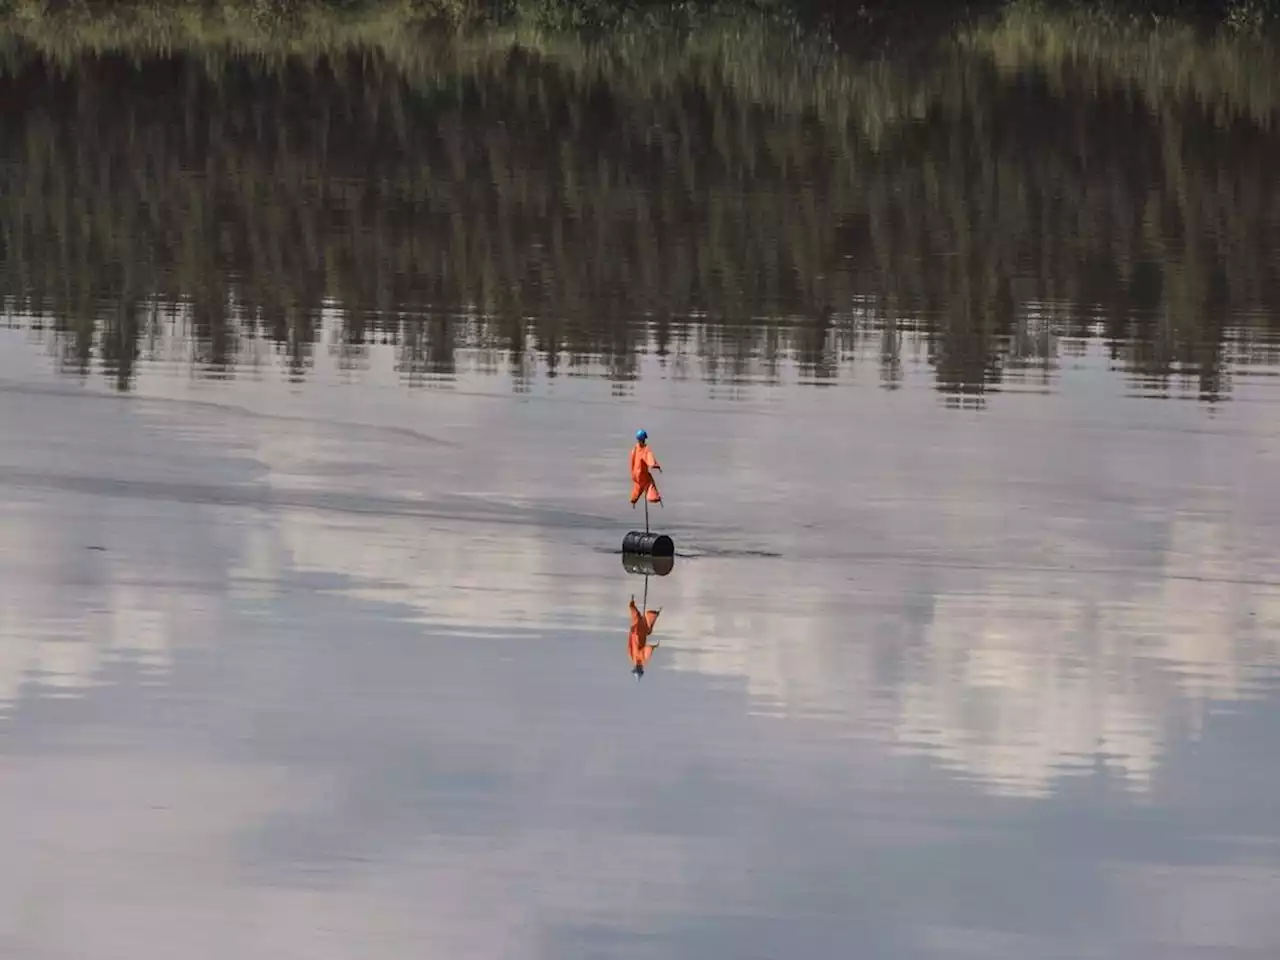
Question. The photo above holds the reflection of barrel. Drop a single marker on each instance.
(648, 544)
(647, 566)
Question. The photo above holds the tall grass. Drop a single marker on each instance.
(1228, 74)
(65, 30)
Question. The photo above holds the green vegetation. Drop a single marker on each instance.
(242, 19)
(1010, 193)
(1165, 63)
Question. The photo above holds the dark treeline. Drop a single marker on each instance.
(848, 19)
(581, 204)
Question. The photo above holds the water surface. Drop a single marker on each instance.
(316, 387)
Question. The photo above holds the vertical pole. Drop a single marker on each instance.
(644, 604)
(646, 514)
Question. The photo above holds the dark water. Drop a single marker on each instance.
(316, 387)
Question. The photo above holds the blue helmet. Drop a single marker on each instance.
(642, 435)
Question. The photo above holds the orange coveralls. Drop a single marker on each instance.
(642, 461)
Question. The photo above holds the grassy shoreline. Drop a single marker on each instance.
(294, 26)
(770, 61)
(251, 176)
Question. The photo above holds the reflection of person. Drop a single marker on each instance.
(638, 645)
(642, 461)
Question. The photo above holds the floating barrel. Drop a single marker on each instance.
(647, 566)
(648, 544)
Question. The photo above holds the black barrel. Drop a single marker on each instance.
(647, 566)
(648, 544)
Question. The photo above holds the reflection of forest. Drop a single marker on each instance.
(583, 204)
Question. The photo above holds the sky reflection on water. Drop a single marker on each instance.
(347, 671)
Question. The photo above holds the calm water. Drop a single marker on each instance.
(316, 389)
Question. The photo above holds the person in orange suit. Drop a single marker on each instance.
(638, 645)
(642, 462)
